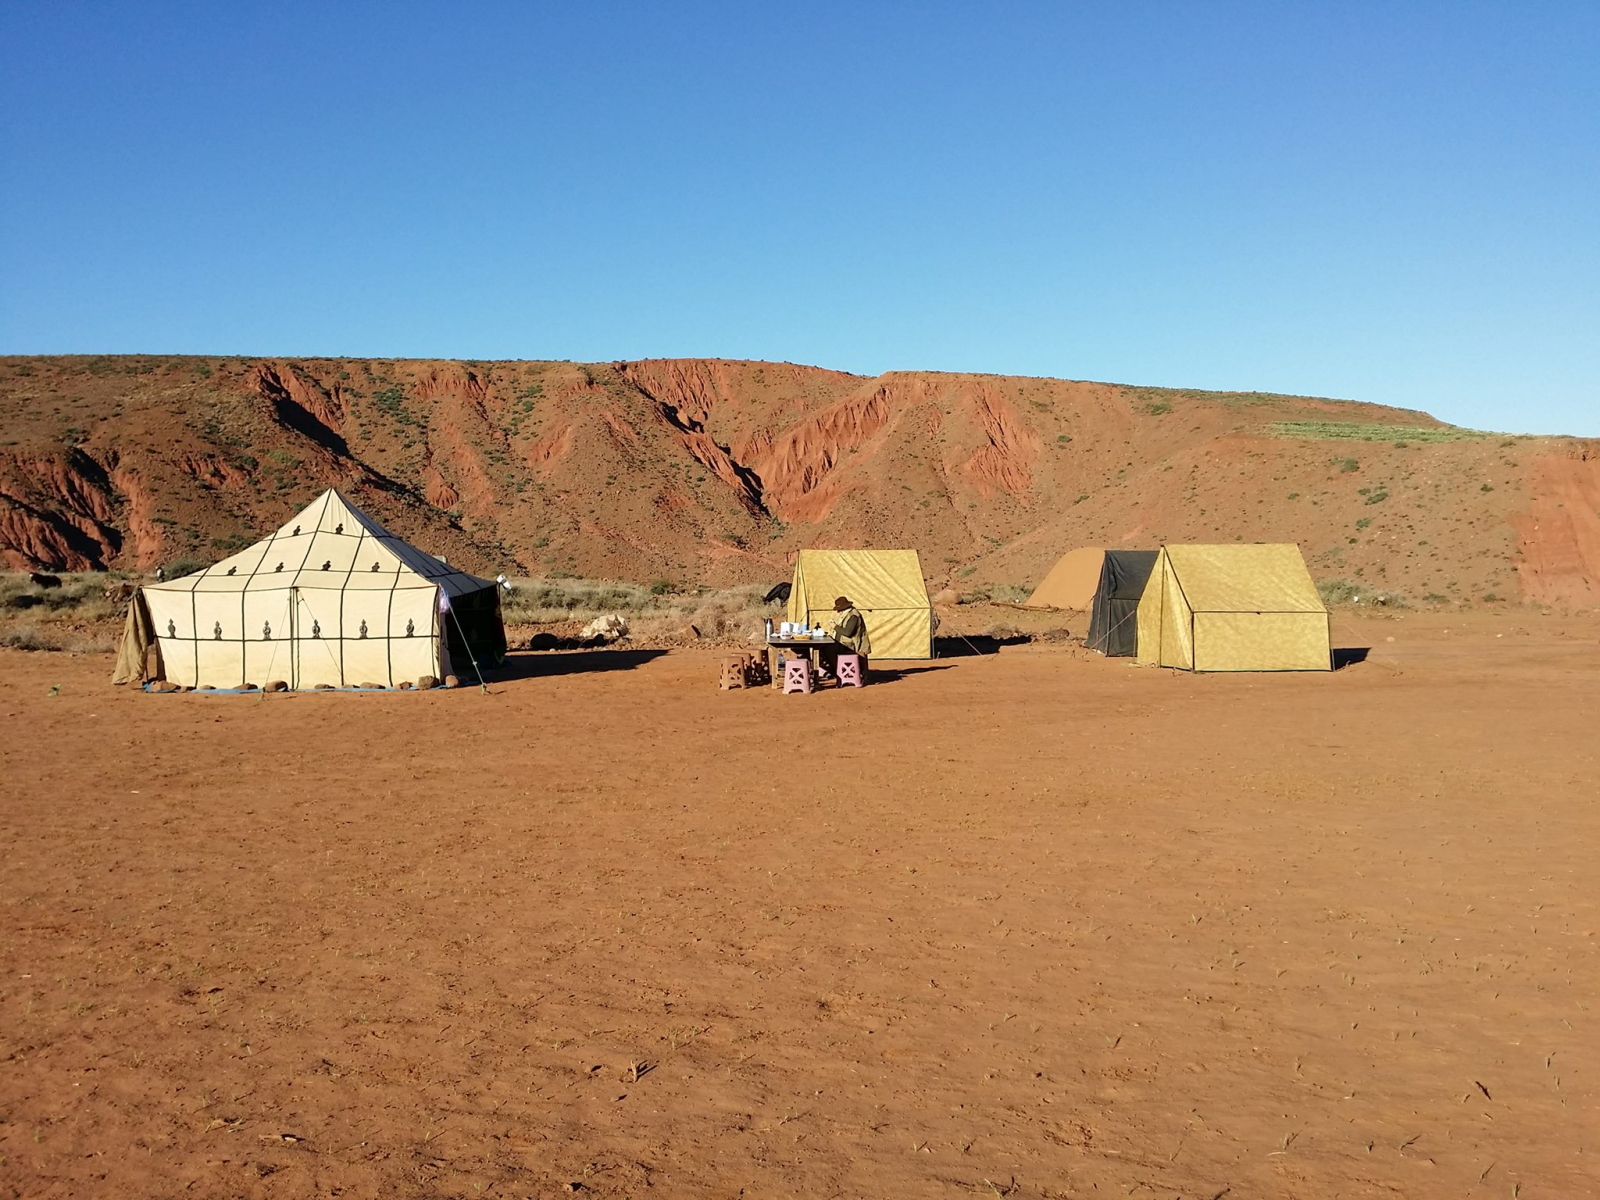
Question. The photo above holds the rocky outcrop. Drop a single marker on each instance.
(1004, 463)
(300, 403)
(57, 512)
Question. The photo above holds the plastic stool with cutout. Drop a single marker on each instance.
(797, 676)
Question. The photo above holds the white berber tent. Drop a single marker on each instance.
(332, 599)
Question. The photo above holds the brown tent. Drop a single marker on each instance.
(1071, 582)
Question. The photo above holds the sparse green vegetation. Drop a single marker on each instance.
(1346, 591)
(1358, 432)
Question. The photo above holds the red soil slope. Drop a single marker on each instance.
(716, 471)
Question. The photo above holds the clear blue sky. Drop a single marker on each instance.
(1388, 202)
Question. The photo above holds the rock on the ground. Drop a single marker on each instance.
(609, 628)
(428, 681)
(451, 681)
(276, 685)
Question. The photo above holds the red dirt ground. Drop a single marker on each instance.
(1032, 924)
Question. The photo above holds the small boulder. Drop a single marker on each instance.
(376, 687)
(428, 681)
(406, 685)
(607, 628)
(451, 681)
(164, 685)
(323, 687)
(276, 685)
(247, 687)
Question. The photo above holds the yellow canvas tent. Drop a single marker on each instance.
(1072, 582)
(886, 585)
(1233, 608)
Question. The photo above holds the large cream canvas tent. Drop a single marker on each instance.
(886, 586)
(331, 599)
(1071, 583)
(1233, 608)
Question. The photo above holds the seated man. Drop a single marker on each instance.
(849, 636)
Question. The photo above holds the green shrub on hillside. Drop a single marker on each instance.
(1355, 431)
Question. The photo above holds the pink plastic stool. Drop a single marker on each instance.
(797, 676)
(850, 671)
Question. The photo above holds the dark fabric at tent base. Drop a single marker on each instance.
(1114, 614)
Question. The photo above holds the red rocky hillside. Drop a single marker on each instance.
(714, 471)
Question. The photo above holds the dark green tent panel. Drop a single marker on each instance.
(1114, 613)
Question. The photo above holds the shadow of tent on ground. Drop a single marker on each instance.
(979, 643)
(523, 665)
(1348, 656)
(877, 675)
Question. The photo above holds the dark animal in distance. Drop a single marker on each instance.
(44, 581)
(779, 592)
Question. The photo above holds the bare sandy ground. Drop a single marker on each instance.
(1032, 924)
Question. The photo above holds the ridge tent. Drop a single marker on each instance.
(1113, 614)
(886, 585)
(332, 598)
(1233, 608)
(1071, 582)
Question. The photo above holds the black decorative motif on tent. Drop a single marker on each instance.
(339, 528)
(233, 570)
(363, 632)
(327, 565)
(172, 629)
(296, 531)
(216, 631)
(411, 628)
(316, 629)
(374, 568)
(266, 631)
(277, 568)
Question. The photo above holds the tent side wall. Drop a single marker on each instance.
(475, 631)
(306, 637)
(1246, 641)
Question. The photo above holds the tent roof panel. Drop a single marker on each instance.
(879, 579)
(328, 530)
(1245, 578)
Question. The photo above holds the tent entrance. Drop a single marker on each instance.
(316, 652)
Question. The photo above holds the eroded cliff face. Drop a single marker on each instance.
(716, 471)
(58, 511)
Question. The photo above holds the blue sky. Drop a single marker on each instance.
(1383, 202)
